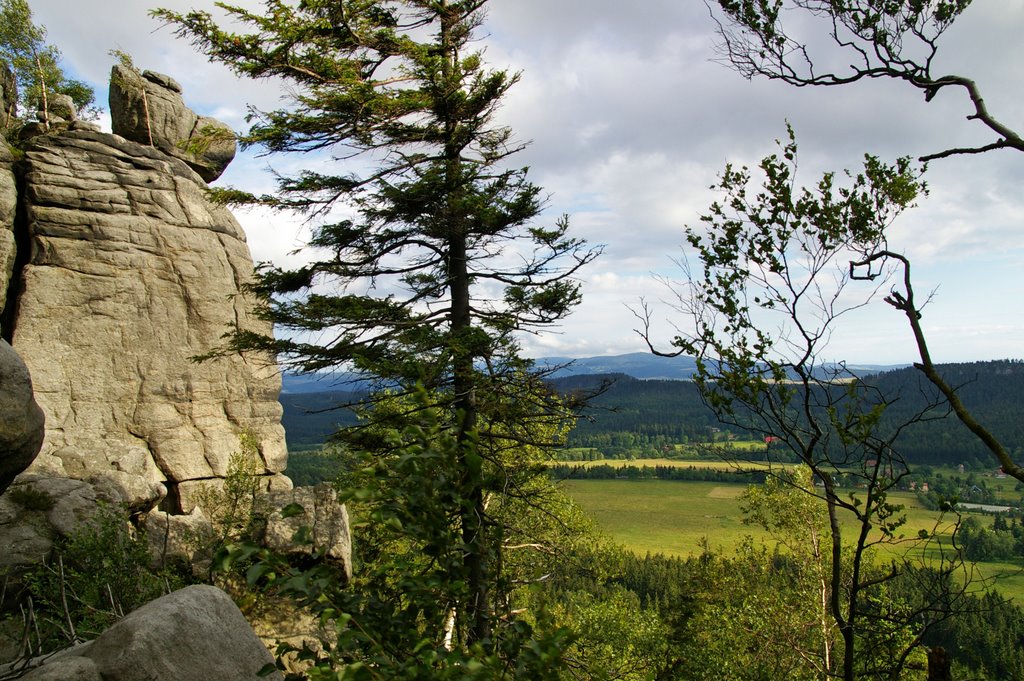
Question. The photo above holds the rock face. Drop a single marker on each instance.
(8, 91)
(148, 108)
(326, 519)
(38, 510)
(8, 208)
(21, 419)
(132, 272)
(193, 633)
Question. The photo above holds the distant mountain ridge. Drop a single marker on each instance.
(641, 365)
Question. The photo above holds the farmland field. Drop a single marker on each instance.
(674, 518)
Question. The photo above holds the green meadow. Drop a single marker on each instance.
(677, 517)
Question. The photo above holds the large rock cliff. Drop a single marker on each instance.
(122, 272)
(115, 272)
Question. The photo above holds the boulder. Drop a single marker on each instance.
(174, 539)
(37, 510)
(21, 420)
(148, 108)
(132, 273)
(318, 509)
(70, 668)
(194, 633)
(59, 114)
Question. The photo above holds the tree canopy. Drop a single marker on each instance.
(425, 259)
(895, 40)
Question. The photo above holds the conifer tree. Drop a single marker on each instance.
(426, 261)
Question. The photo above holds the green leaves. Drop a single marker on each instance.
(36, 65)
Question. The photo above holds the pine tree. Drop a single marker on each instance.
(427, 262)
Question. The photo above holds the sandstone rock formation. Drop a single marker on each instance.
(133, 272)
(326, 519)
(38, 510)
(8, 93)
(115, 271)
(21, 419)
(148, 108)
(193, 633)
(8, 208)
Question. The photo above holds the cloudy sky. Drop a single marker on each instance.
(631, 120)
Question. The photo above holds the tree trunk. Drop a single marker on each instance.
(939, 665)
(463, 357)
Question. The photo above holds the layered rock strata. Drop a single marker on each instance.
(132, 272)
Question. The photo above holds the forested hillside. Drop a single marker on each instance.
(645, 418)
(310, 418)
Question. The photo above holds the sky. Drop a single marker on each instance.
(631, 119)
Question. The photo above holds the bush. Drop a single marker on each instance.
(92, 579)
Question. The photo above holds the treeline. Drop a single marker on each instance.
(563, 471)
(639, 418)
(652, 418)
(309, 419)
(993, 391)
(1003, 540)
(701, 618)
(648, 418)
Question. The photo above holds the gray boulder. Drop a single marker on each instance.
(38, 510)
(194, 633)
(316, 508)
(148, 108)
(60, 111)
(66, 666)
(21, 420)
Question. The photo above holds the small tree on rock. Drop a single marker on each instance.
(36, 65)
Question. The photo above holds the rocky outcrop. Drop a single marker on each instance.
(132, 272)
(21, 419)
(194, 633)
(38, 510)
(8, 208)
(147, 107)
(115, 272)
(317, 509)
(8, 93)
(281, 515)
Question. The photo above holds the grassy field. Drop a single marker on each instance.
(673, 517)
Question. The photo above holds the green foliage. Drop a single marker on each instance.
(36, 65)
(308, 468)
(403, 615)
(96, 576)
(235, 508)
(613, 636)
(31, 499)
(770, 255)
(771, 285)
